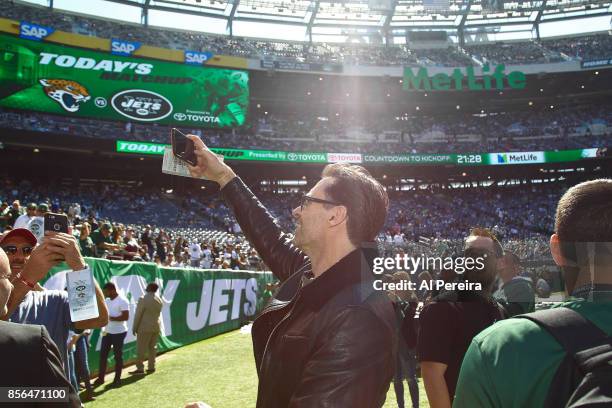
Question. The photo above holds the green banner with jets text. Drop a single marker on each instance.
(198, 304)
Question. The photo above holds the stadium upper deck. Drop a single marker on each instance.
(411, 33)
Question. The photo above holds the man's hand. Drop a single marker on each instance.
(210, 165)
(67, 246)
(43, 258)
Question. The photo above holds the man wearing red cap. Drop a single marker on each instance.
(29, 264)
(33, 359)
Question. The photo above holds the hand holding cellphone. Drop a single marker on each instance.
(182, 147)
(56, 223)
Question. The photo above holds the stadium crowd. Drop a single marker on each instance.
(564, 128)
(431, 222)
(514, 53)
(589, 47)
(145, 224)
(555, 50)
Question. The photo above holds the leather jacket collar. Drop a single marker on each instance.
(353, 269)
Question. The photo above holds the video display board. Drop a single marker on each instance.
(64, 80)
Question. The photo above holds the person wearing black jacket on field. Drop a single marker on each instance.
(327, 339)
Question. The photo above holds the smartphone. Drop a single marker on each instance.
(183, 147)
(56, 223)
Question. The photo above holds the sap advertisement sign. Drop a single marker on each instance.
(197, 58)
(124, 48)
(34, 32)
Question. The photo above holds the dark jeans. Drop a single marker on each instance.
(80, 360)
(116, 341)
(71, 368)
(406, 369)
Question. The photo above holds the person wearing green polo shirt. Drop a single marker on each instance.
(512, 363)
(102, 239)
(86, 244)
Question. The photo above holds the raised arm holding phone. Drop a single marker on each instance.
(328, 338)
(29, 264)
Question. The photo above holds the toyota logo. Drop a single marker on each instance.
(180, 116)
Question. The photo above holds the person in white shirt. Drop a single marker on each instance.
(207, 258)
(23, 220)
(114, 332)
(195, 253)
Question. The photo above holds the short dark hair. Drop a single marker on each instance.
(152, 287)
(584, 212)
(365, 199)
(485, 232)
(110, 285)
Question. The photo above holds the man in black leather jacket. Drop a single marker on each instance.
(327, 339)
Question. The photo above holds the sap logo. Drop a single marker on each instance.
(119, 47)
(197, 58)
(33, 31)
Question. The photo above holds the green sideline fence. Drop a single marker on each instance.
(198, 304)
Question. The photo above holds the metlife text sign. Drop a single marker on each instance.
(35, 32)
(490, 79)
(516, 158)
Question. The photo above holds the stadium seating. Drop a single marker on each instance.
(529, 52)
(570, 128)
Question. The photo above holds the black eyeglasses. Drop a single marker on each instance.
(305, 198)
(12, 250)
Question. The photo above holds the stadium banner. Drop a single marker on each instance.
(541, 157)
(198, 303)
(300, 66)
(123, 48)
(31, 31)
(470, 159)
(604, 62)
(123, 146)
(196, 57)
(491, 78)
(63, 80)
(412, 159)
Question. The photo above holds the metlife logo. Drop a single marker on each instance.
(516, 158)
(35, 32)
(124, 48)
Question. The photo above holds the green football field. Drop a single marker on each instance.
(219, 371)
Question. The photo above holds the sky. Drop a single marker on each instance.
(116, 11)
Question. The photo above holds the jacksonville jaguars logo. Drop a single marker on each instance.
(69, 94)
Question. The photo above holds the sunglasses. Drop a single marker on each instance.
(306, 198)
(12, 250)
